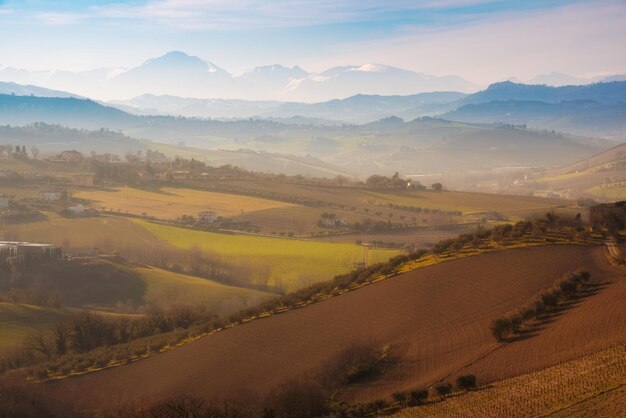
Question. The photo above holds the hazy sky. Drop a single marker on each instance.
(481, 40)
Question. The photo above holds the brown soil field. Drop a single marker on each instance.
(435, 318)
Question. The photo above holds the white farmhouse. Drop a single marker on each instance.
(207, 217)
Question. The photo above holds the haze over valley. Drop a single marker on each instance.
(418, 210)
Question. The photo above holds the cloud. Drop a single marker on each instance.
(254, 14)
(4, 10)
(576, 39)
(52, 18)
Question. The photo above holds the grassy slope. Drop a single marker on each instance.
(593, 385)
(293, 263)
(170, 203)
(165, 288)
(17, 321)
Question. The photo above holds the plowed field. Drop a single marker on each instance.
(436, 319)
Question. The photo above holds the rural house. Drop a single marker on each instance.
(52, 195)
(207, 217)
(76, 210)
(12, 251)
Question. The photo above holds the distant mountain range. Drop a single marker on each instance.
(360, 108)
(29, 90)
(556, 79)
(593, 110)
(179, 74)
(597, 110)
(423, 145)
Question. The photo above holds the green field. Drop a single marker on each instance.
(287, 262)
(17, 321)
(165, 288)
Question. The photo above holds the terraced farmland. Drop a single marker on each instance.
(436, 320)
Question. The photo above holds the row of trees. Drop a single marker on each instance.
(566, 288)
(11, 151)
(85, 332)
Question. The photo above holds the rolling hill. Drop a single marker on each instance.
(601, 176)
(596, 109)
(436, 320)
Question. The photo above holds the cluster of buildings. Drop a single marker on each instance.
(15, 251)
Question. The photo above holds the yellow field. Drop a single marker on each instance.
(576, 388)
(468, 203)
(171, 203)
(287, 262)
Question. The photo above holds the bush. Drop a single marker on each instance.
(399, 397)
(417, 397)
(501, 327)
(466, 382)
(443, 388)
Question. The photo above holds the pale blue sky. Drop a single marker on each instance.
(480, 40)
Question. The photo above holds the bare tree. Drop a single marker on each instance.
(34, 151)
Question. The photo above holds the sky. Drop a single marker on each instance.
(479, 40)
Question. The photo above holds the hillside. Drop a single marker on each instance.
(583, 117)
(17, 321)
(590, 386)
(607, 92)
(289, 264)
(593, 110)
(421, 146)
(601, 176)
(436, 320)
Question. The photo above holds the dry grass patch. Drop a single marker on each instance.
(171, 203)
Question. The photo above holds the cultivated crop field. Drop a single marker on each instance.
(466, 202)
(171, 203)
(592, 386)
(436, 320)
(285, 262)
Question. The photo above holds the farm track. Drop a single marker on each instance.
(436, 318)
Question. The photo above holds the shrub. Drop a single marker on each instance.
(501, 327)
(417, 396)
(443, 388)
(466, 382)
(399, 397)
